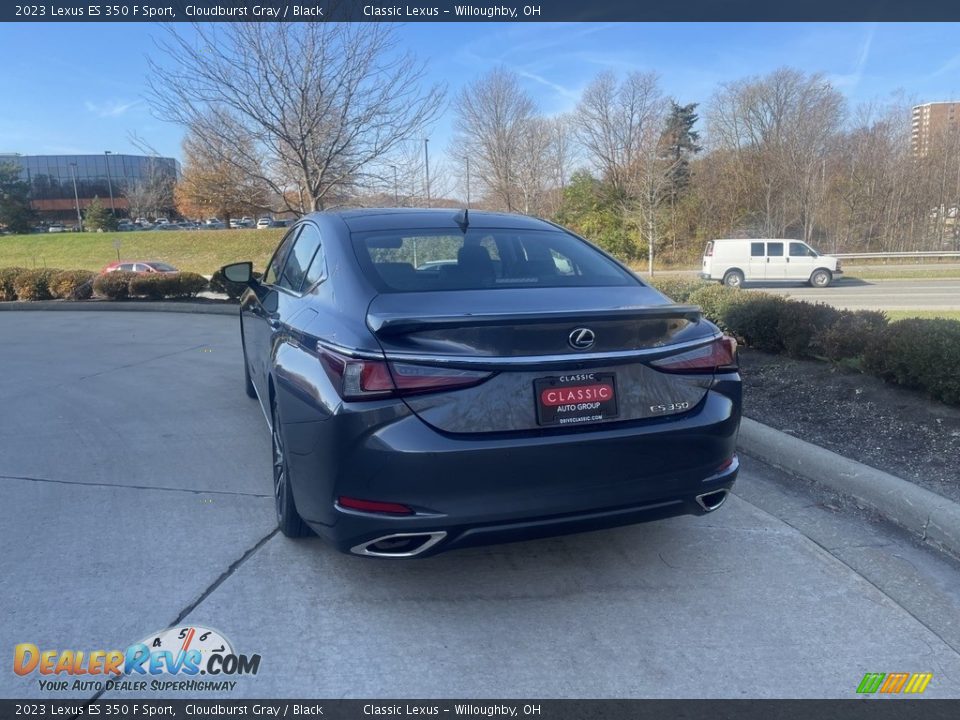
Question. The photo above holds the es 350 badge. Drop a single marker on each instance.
(184, 652)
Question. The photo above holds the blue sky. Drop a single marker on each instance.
(78, 88)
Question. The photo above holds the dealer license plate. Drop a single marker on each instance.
(576, 398)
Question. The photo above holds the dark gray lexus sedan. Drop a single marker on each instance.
(435, 379)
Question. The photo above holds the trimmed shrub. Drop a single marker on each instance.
(7, 276)
(715, 301)
(34, 284)
(114, 285)
(850, 334)
(800, 322)
(189, 284)
(155, 286)
(677, 289)
(72, 284)
(756, 320)
(919, 353)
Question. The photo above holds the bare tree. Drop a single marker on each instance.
(491, 117)
(616, 122)
(780, 129)
(150, 194)
(309, 107)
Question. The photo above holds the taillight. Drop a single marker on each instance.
(423, 378)
(718, 356)
(374, 506)
(709, 251)
(361, 379)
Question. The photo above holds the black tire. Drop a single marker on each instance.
(288, 519)
(733, 279)
(821, 278)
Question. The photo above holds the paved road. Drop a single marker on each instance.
(134, 495)
(942, 294)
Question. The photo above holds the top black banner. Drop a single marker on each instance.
(447, 11)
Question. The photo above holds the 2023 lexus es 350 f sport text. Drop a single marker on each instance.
(435, 379)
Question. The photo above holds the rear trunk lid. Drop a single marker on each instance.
(555, 357)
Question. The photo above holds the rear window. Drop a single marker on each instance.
(424, 260)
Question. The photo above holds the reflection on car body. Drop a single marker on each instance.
(428, 384)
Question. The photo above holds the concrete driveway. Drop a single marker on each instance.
(135, 495)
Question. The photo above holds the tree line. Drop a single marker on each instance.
(301, 117)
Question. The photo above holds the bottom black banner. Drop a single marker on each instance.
(860, 709)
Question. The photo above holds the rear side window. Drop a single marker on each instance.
(318, 268)
(756, 250)
(417, 261)
(275, 266)
(775, 249)
(299, 258)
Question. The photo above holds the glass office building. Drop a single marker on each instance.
(51, 179)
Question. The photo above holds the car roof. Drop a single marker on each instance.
(365, 219)
(757, 240)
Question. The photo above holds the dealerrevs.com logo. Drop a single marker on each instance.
(189, 658)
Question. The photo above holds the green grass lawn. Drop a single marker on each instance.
(200, 251)
(902, 314)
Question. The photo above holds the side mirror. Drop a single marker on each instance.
(241, 272)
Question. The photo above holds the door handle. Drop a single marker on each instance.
(768, 259)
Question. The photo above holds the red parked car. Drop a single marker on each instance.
(140, 266)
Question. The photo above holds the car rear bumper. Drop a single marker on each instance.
(435, 537)
(480, 489)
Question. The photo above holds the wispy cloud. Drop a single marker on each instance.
(949, 66)
(111, 108)
(559, 89)
(852, 79)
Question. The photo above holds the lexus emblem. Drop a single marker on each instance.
(581, 338)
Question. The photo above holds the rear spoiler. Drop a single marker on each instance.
(386, 324)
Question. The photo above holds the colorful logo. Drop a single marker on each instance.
(893, 683)
(187, 651)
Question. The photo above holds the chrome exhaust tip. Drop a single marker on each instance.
(399, 545)
(712, 500)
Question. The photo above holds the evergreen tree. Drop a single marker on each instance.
(16, 215)
(590, 207)
(679, 143)
(97, 217)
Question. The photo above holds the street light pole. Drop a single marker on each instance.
(467, 158)
(426, 161)
(76, 196)
(113, 210)
(396, 191)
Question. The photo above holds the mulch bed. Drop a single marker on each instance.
(899, 431)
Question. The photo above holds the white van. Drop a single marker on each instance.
(734, 262)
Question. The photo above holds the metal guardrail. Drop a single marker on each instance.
(891, 255)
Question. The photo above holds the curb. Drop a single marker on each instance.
(933, 517)
(121, 306)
